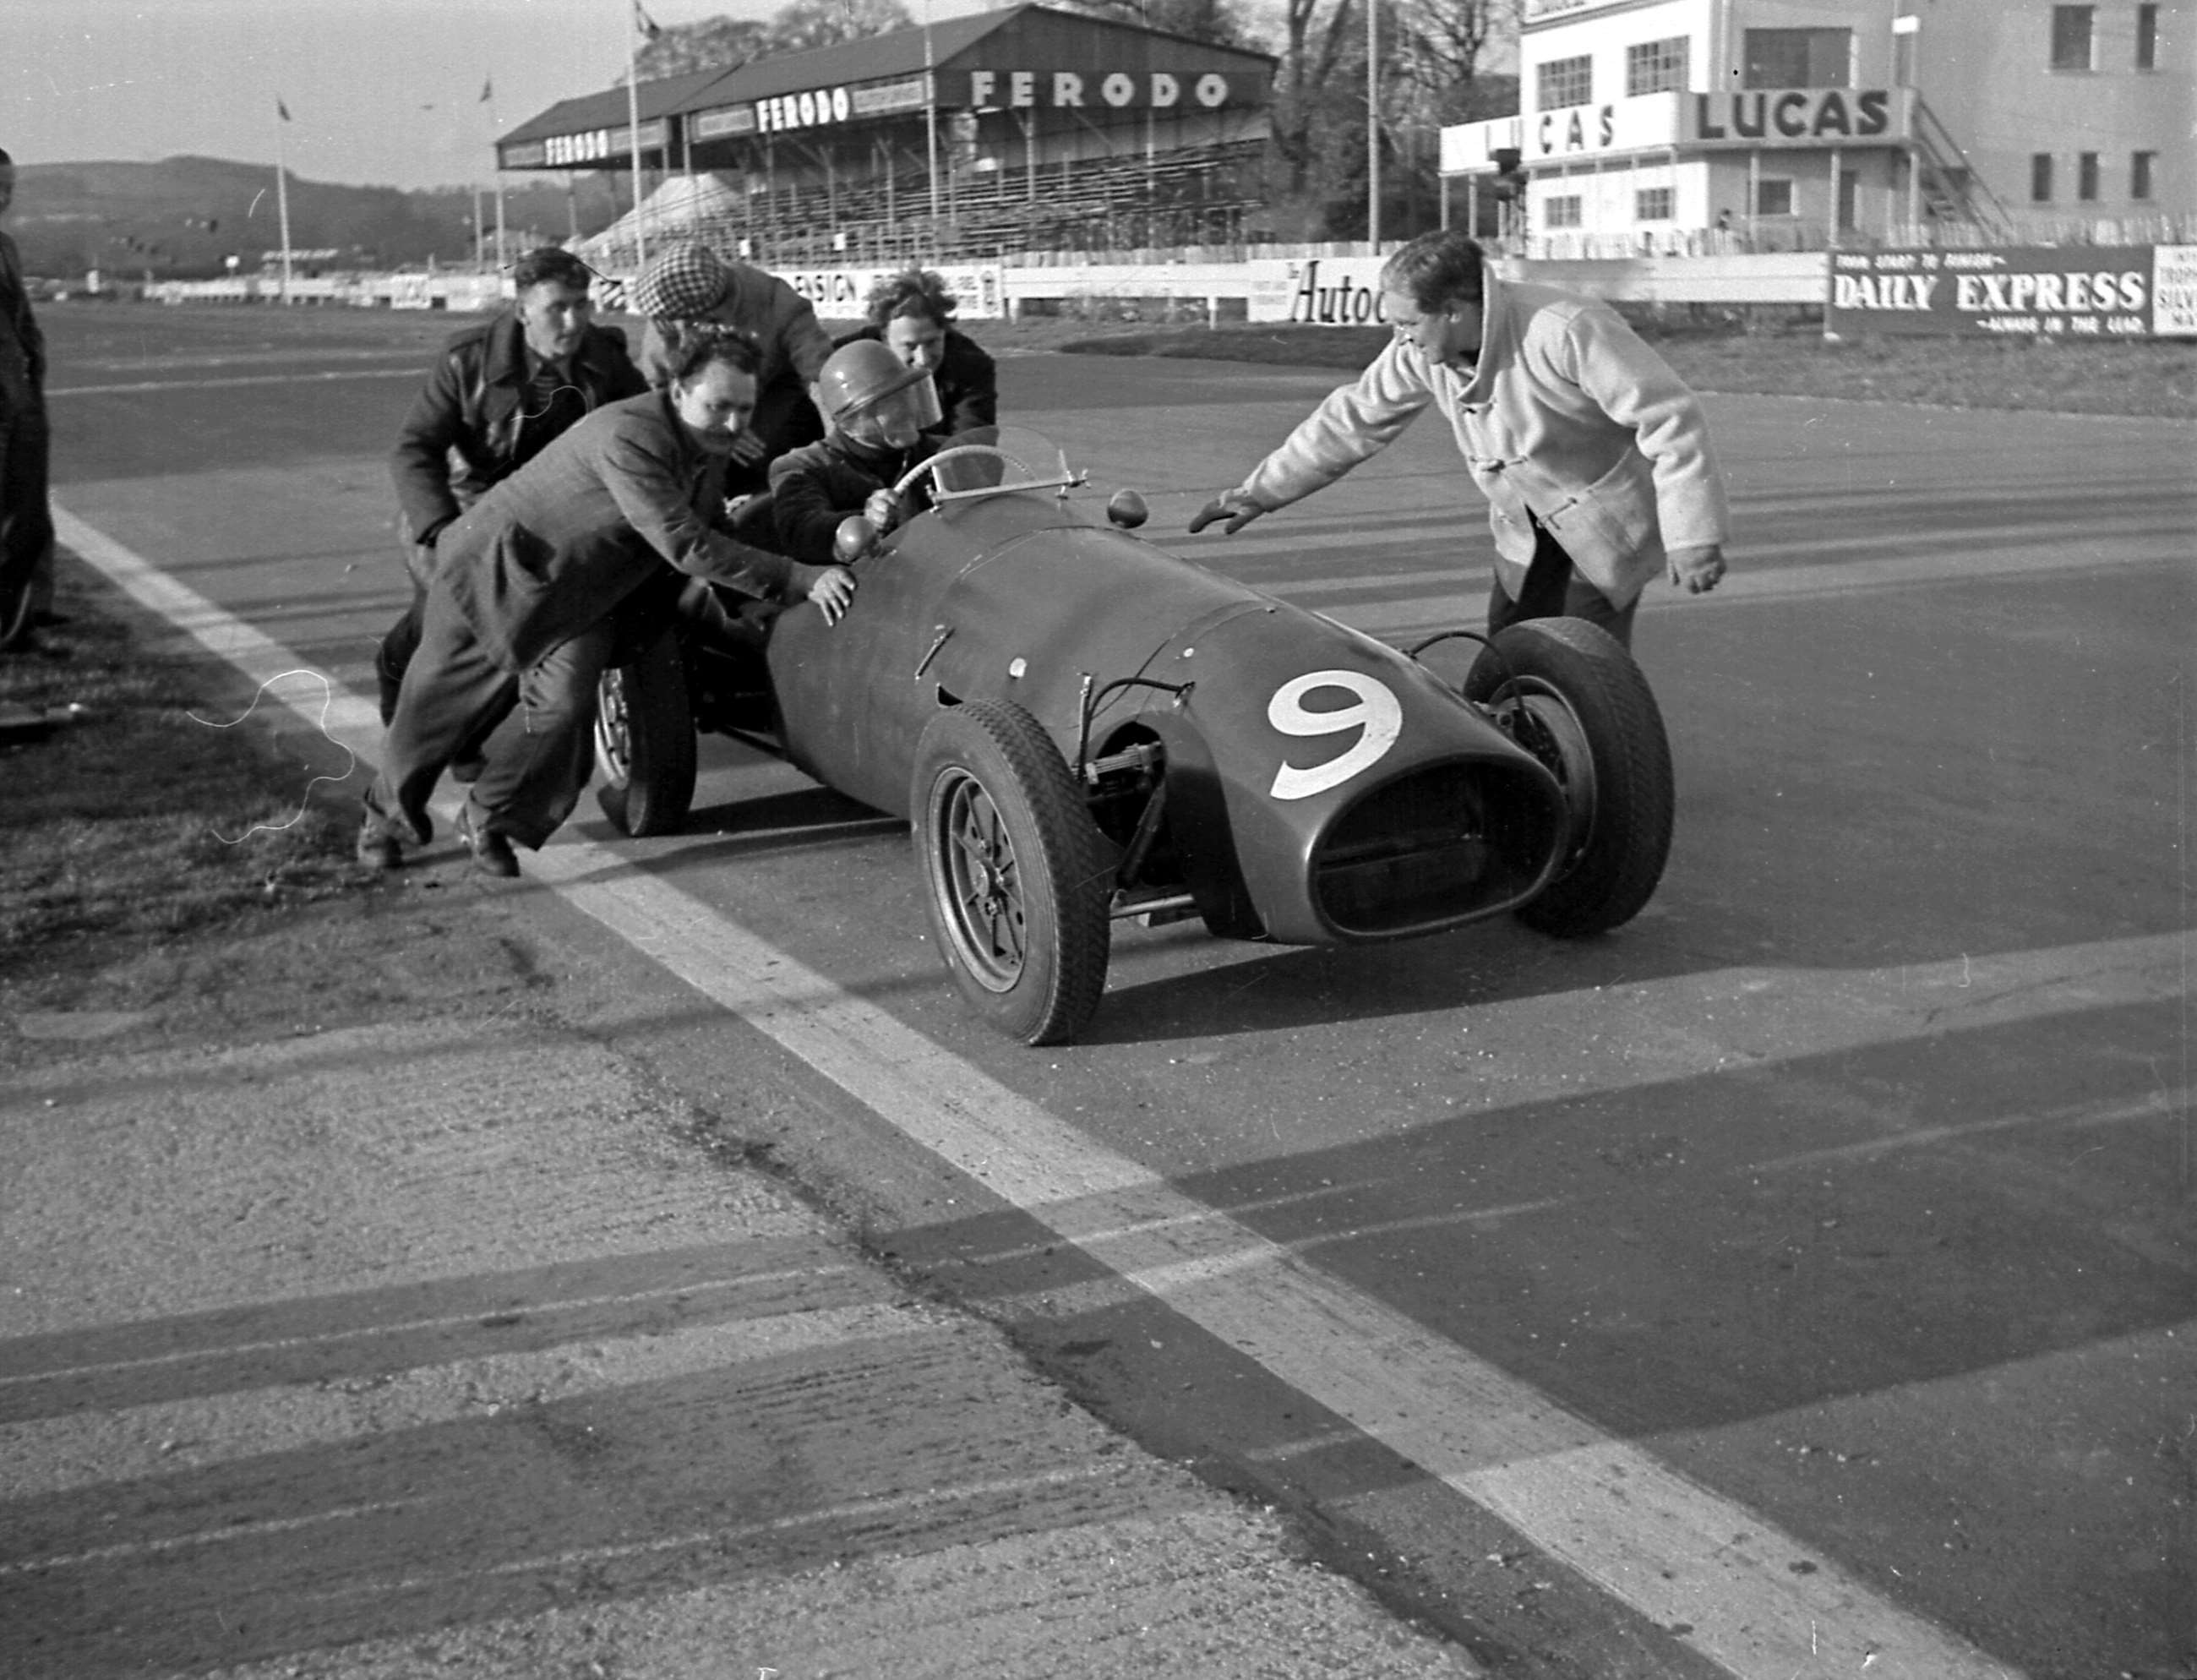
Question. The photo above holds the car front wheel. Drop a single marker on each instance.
(1014, 873)
(1569, 693)
(645, 742)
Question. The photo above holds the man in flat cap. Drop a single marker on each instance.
(690, 284)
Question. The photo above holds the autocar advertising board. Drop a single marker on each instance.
(2068, 292)
(1318, 291)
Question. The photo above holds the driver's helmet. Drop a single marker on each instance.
(867, 394)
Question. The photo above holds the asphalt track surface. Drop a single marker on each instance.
(1800, 1282)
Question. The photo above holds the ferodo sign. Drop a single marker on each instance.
(813, 109)
(2065, 292)
(1073, 89)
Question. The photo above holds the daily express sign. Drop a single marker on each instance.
(2070, 292)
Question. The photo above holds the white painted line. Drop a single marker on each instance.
(684, 1289)
(90, 1446)
(209, 1536)
(1754, 1601)
(1975, 551)
(316, 376)
(1943, 565)
(857, 1514)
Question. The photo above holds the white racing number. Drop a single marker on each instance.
(1376, 714)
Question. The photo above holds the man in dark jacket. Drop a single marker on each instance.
(911, 313)
(525, 587)
(26, 522)
(496, 397)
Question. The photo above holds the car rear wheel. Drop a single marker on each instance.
(1568, 692)
(645, 741)
(1014, 872)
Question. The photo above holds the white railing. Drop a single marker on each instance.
(1326, 283)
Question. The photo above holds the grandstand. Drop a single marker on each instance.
(1199, 195)
(986, 136)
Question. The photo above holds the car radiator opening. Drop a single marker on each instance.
(1435, 846)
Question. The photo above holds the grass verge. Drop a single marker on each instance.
(133, 813)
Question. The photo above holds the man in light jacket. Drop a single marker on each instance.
(1592, 454)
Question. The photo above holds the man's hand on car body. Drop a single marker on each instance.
(832, 589)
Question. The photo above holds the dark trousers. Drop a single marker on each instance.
(400, 642)
(539, 755)
(1554, 590)
(26, 519)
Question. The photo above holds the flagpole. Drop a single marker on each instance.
(282, 190)
(633, 132)
(488, 92)
(930, 121)
(1373, 127)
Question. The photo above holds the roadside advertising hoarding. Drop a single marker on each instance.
(1317, 291)
(2174, 291)
(2072, 292)
(839, 293)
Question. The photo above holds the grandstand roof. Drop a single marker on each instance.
(902, 52)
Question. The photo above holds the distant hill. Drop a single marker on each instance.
(184, 218)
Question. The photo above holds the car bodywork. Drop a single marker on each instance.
(1278, 773)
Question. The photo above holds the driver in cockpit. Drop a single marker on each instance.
(879, 415)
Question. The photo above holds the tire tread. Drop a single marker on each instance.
(1620, 873)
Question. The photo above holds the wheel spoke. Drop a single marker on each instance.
(1007, 931)
(982, 882)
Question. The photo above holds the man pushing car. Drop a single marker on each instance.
(535, 585)
(1592, 452)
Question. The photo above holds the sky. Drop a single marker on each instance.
(380, 92)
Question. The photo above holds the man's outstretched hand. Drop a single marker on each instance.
(1697, 571)
(1239, 510)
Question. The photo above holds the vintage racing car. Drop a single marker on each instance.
(1081, 726)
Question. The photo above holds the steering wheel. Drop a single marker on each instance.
(957, 452)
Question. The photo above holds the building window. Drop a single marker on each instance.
(2146, 37)
(2071, 36)
(1566, 81)
(2139, 167)
(1654, 204)
(1799, 58)
(1773, 198)
(1564, 212)
(2086, 176)
(2040, 177)
(1655, 67)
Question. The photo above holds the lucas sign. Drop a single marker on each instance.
(1790, 117)
(2058, 292)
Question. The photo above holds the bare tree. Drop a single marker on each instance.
(802, 23)
(1219, 21)
(727, 43)
(714, 44)
(1441, 46)
(1306, 94)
